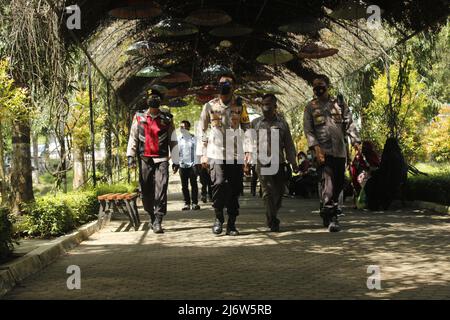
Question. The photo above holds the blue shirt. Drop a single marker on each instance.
(187, 147)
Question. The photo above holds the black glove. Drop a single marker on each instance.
(131, 162)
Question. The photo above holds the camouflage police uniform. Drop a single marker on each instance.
(328, 124)
(222, 134)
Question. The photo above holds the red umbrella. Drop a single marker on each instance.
(208, 17)
(176, 92)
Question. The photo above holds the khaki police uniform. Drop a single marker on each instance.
(222, 135)
(328, 124)
(272, 185)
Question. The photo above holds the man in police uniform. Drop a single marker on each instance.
(222, 150)
(273, 180)
(327, 124)
(151, 134)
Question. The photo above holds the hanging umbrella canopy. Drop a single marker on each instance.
(351, 10)
(177, 77)
(231, 30)
(138, 11)
(208, 17)
(315, 51)
(258, 91)
(173, 28)
(275, 56)
(304, 26)
(177, 103)
(215, 70)
(152, 72)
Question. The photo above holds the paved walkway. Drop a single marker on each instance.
(412, 250)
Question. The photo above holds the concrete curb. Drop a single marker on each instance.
(34, 261)
(436, 207)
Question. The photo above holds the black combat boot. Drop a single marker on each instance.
(157, 227)
(218, 224)
(152, 220)
(334, 224)
(326, 214)
(275, 226)
(231, 226)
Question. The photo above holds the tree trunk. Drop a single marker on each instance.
(21, 176)
(35, 160)
(3, 190)
(79, 168)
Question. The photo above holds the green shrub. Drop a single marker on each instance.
(432, 188)
(6, 235)
(114, 188)
(49, 216)
(57, 214)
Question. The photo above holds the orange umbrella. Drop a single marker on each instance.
(177, 77)
(314, 51)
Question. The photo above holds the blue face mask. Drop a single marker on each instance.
(225, 88)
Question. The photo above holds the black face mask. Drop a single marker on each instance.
(319, 90)
(225, 88)
(154, 102)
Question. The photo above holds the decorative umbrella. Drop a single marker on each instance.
(206, 93)
(225, 44)
(172, 28)
(275, 56)
(177, 77)
(258, 91)
(208, 17)
(351, 10)
(177, 103)
(231, 30)
(215, 70)
(176, 92)
(152, 72)
(159, 88)
(307, 25)
(314, 51)
(138, 11)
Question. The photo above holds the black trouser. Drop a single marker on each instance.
(227, 185)
(205, 180)
(332, 180)
(189, 175)
(272, 190)
(154, 178)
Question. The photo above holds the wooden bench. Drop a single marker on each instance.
(119, 203)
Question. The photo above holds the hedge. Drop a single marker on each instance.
(432, 188)
(55, 215)
(6, 235)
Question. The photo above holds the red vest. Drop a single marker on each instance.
(153, 134)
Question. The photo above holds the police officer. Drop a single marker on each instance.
(327, 124)
(151, 134)
(222, 150)
(272, 173)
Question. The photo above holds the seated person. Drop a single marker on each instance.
(304, 183)
(385, 183)
(364, 162)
